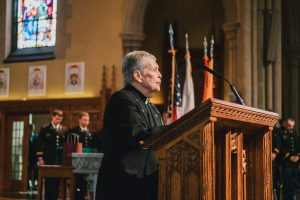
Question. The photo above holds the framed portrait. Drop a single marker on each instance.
(4, 82)
(37, 76)
(74, 79)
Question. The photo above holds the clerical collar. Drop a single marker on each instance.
(147, 101)
(141, 95)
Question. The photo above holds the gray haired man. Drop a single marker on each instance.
(129, 171)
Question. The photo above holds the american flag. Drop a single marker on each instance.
(175, 102)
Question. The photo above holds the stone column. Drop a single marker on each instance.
(269, 87)
(254, 53)
(277, 72)
(230, 57)
(6, 17)
(269, 66)
(132, 41)
(244, 69)
(293, 97)
(261, 77)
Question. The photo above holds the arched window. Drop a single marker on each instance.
(34, 30)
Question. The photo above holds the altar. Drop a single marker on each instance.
(88, 163)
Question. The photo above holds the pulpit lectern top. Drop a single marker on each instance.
(219, 150)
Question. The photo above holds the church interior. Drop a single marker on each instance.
(67, 55)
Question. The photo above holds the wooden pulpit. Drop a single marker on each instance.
(219, 150)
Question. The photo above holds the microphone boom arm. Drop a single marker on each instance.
(236, 94)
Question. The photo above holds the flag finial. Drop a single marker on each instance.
(212, 42)
(187, 42)
(171, 33)
(205, 46)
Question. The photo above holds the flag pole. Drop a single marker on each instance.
(212, 42)
(173, 53)
(211, 65)
(188, 98)
(188, 55)
(205, 57)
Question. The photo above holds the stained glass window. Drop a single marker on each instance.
(36, 23)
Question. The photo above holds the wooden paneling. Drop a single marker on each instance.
(219, 150)
(7, 176)
(71, 109)
(2, 148)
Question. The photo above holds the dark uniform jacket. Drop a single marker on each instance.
(50, 143)
(87, 138)
(128, 120)
(32, 149)
(289, 146)
(276, 137)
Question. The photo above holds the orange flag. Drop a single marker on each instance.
(208, 78)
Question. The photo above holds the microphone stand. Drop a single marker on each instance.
(236, 94)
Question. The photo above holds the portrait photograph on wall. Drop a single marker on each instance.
(4, 82)
(74, 79)
(37, 80)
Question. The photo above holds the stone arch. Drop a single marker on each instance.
(133, 22)
(133, 32)
(134, 16)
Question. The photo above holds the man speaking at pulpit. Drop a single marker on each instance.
(129, 171)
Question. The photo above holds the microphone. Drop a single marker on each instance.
(236, 94)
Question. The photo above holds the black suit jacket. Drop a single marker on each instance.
(87, 138)
(126, 122)
(50, 143)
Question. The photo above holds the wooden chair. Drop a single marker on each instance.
(55, 171)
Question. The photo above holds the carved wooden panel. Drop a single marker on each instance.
(234, 143)
(267, 165)
(238, 190)
(206, 162)
(249, 146)
(195, 137)
(183, 171)
(262, 166)
(227, 165)
(216, 135)
(242, 114)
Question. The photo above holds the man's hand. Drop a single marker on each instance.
(294, 159)
(274, 156)
(41, 161)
